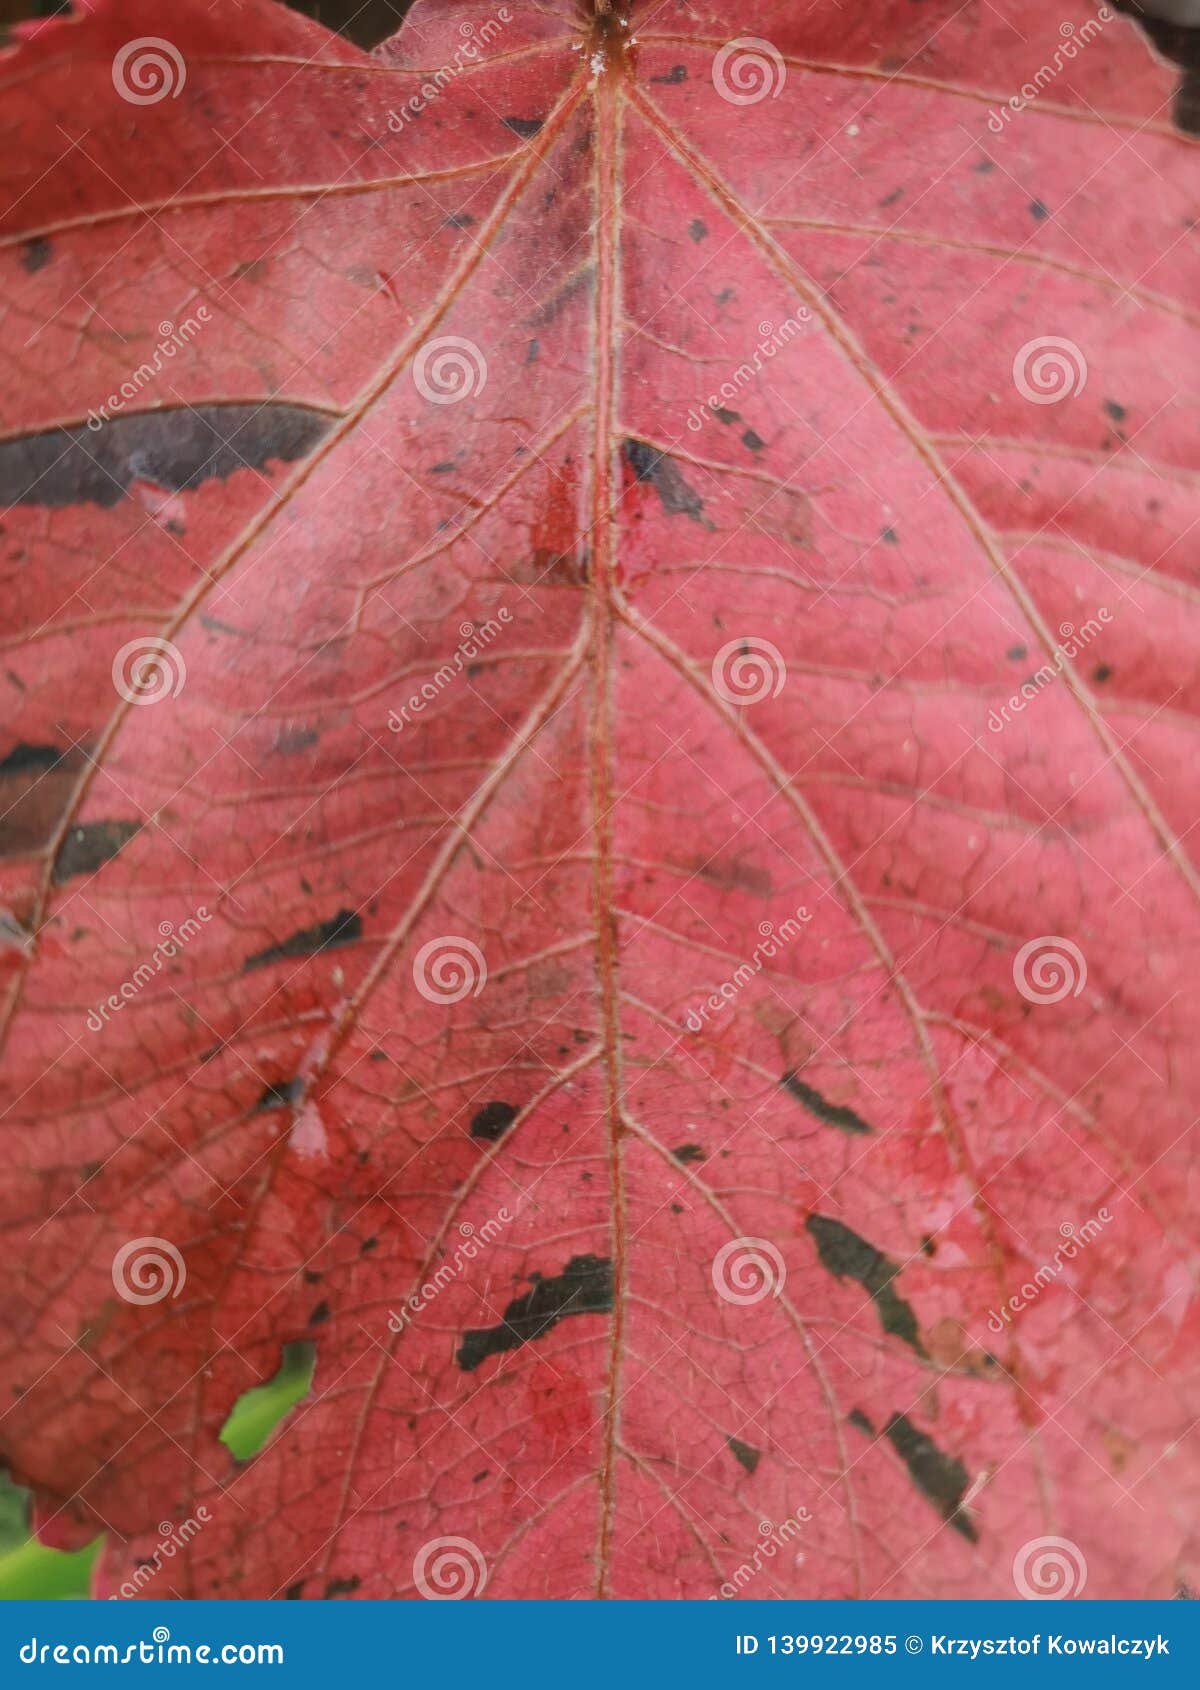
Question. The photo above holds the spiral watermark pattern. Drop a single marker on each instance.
(1049, 369)
(148, 70)
(449, 369)
(447, 1569)
(748, 70)
(148, 670)
(1047, 1569)
(748, 1269)
(450, 968)
(147, 1270)
(748, 670)
(1049, 969)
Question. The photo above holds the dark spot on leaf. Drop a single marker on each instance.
(176, 449)
(280, 1096)
(1118, 413)
(524, 126)
(942, 1479)
(745, 1453)
(698, 229)
(583, 1287)
(724, 415)
(856, 1417)
(35, 254)
(833, 1114)
(23, 759)
(493, 1120)
(754, 442)
(688, 1153)
(890, 537)
(342, 1587)
(294, 1592)
(676, 75)
(1038, 211)
(319, 1315)
(88, 848)
(368, 1244)
(649, 464)
(1017, 653)
(343, 929)
(928, 1247)
(847, 1256)
(1102, 673)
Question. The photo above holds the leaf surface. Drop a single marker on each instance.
(569, 940)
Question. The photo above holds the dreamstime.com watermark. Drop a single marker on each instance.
(473, 1241)
(171, 1539)
(474, 639)
(468, 54)
(1073, 641)
(748, 70)
(147, 1270)
(171, 941)
(1049, 1569)
(1074, 1239)
(148, 70)
(158, 1650)
(769, 346)
(449, 1569)
(1072, 43)
(774, 1539)
(173, 337)
(746, 1270)
(773, 939)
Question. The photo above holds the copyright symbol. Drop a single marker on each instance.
(914, 1645)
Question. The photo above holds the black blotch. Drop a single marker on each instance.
(890, 537)
(343, 929)
(928, 1247)
(745, 1453)
(833, 1114)
(280, 1096)
(847, 1256)
(985, 167)
(942, 1479)
(698, 229)
(890, 199)
(294, 1592)
(342, 1587)
(856, 1417)
(524, 126)
(371, 1243)
(319, 1315)
(175, 449)
(30, 759)
(1038, 211)
(493, 1120)
(1017, 653)
(677, 1208)
(583, 1287)
(676, 75)
(461, 220)
(1118, 413)
(292, 740)
(1101, 673)
(688, 1153)
(1181, 45)
(88, 848)
(479, 1477)
(724, 415)
(35, 254)
(649, 464)
(754, 442)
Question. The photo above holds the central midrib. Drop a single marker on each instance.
(603, 532)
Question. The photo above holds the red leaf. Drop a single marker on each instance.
(599, 798)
